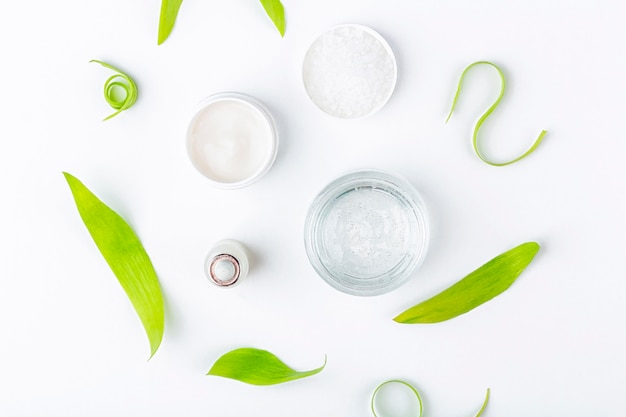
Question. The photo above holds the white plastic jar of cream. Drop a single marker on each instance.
(232, 140)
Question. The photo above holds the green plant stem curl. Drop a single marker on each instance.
(120, 82)
(417, 396)
(485, 115)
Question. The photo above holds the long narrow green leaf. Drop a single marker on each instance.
(276, 12)
(122, 250)
(478, 287)
(169, 11)
(487, 113)
(257, 367)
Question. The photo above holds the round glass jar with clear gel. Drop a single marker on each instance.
(232, 140)
(366, 232)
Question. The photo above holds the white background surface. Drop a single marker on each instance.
(553, 345)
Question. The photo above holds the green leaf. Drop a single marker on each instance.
(126, 257)
(257, 367)
(417, 395)
(480, 286)
(112, 87)
(490, 110)
(169, 11)
(276, 12)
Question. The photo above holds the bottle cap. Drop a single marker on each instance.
(227, 263)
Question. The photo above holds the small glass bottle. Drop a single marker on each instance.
(227, 263)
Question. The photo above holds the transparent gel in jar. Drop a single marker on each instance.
(366, 232)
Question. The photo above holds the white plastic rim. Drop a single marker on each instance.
(349, 71)
(195, 142)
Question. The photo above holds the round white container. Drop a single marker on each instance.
(232, 140)
(349, 71)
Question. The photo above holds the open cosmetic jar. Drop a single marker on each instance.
(366, 232)
(349, 71)
(232, 140)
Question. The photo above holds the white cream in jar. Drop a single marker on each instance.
(232, 140)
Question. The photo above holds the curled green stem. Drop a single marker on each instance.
(487, 113)
(417, 395)
(120, 90)
(396, 381)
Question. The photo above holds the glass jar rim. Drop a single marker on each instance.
(406, 196)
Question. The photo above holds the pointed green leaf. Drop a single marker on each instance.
(480, 286)
(276, 12)
(122, 250)
(169, 11)
(256, 367)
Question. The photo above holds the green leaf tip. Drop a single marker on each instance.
(257, 367)
(125, 255)
(170, 8)
(487, 113)
(478, 287)
(417, 395)
(112, 86)
(276, 12)
(167, 18)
